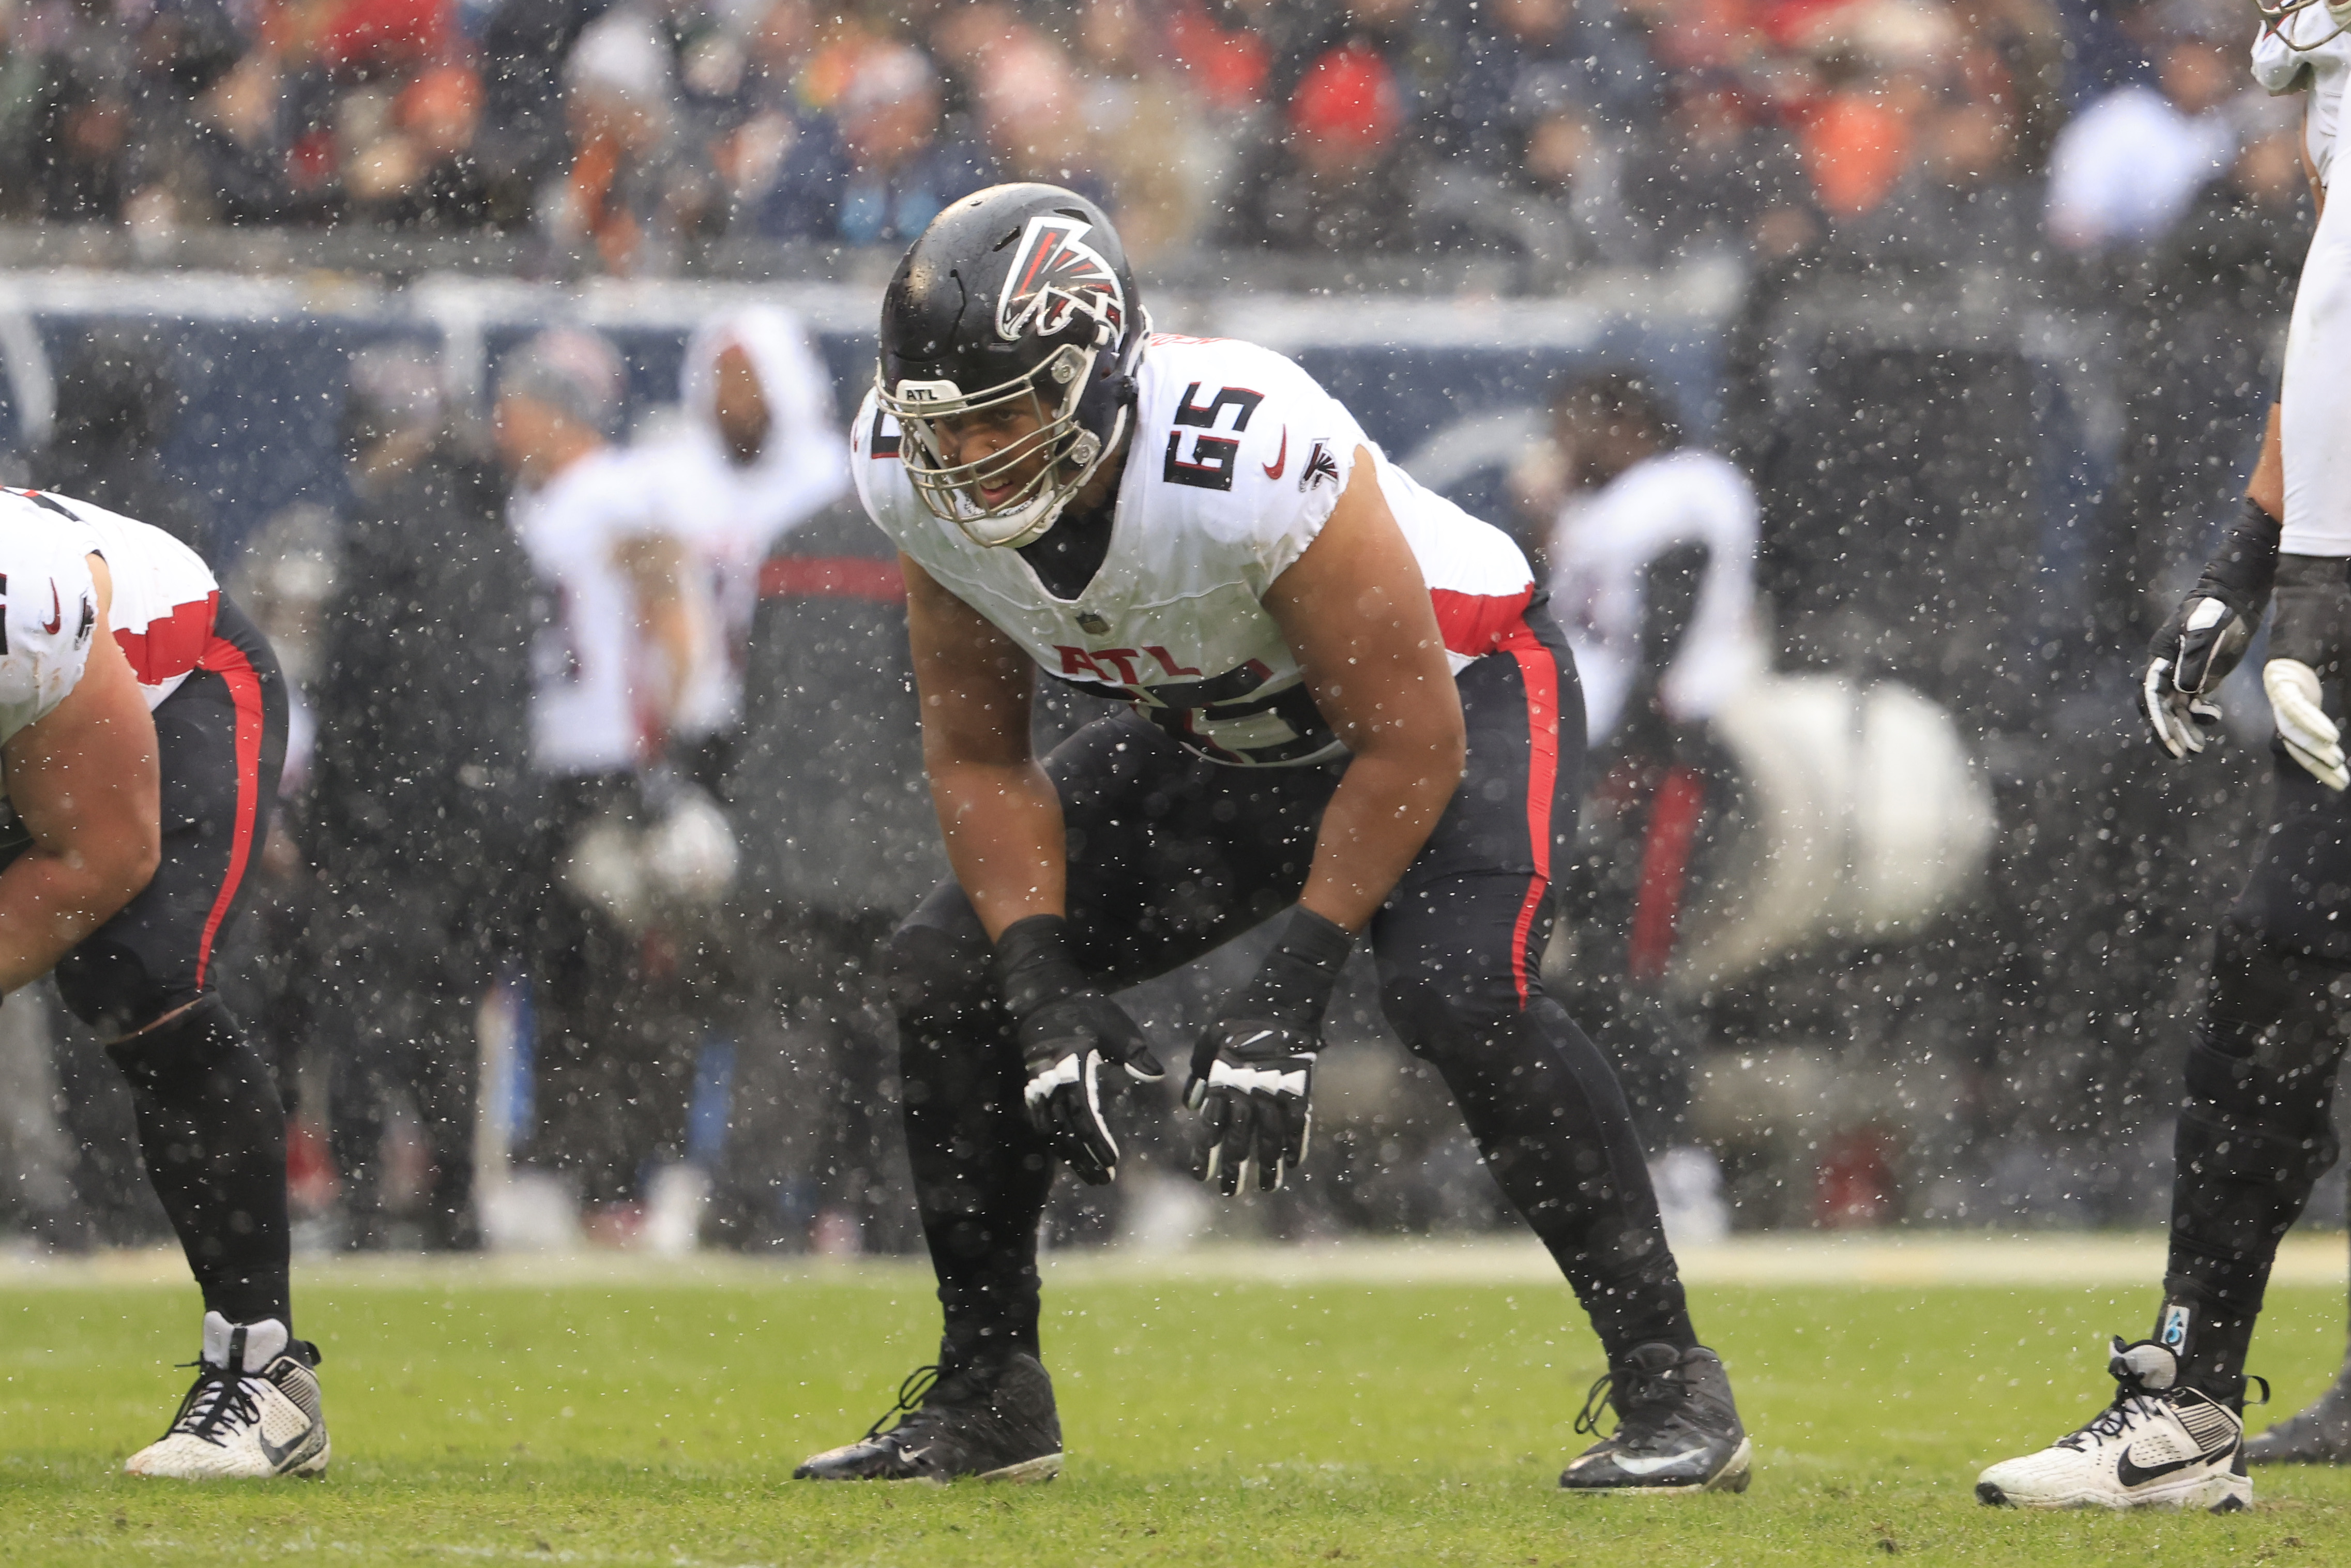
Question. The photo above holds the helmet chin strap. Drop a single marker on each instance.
(1027, 528)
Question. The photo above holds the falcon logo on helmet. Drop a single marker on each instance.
(1055, 275)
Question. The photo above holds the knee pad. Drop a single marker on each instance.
(108, 987)
(1433, 1017)
(935, 973)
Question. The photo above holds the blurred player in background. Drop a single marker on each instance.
(1653, 578)
(1347, 701)
(418, 866)
(142, 725)
(2256, 1129)
(760, 453)
(622, 644)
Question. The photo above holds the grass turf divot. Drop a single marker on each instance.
(1207, 1422)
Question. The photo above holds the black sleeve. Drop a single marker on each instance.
(2244, 567)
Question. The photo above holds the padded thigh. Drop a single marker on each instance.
(2299, 892)
(1170, 856)
(153, 955)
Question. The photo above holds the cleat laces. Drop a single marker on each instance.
(219, 1398)
(1646, 1393)
(915, 1388)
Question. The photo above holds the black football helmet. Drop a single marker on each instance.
(1016, 294)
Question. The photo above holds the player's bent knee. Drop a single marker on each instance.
(108, 988)
(1435, 1016)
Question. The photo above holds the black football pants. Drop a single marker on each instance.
(2256, 1127)
(1169, 856)
(212, 1127)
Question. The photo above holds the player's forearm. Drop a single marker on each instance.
(50, 902)
(1378, 818)
(1002, 823)
(2266, 488)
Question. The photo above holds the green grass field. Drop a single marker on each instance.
(1207, 1423)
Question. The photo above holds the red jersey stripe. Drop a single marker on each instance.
(226, 658)
(170, 647)
(1476, 624)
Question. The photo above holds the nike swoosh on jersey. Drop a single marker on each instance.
(58, 611)
(1282, 458)
(2132, 1475)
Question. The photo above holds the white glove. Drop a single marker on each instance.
(2311, 737)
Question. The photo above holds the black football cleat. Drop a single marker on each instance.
(1677, 1429)
(2320, 1434)
(996, 1423)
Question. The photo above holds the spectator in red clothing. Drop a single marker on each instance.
(1343, 179)
(369, 38)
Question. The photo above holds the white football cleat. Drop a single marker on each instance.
(253, 1412)
(2157, 1446)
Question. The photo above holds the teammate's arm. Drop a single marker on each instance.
(1356, 611)
(85, 781)
(1001, 817)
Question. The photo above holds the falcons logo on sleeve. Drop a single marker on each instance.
(1055, 275)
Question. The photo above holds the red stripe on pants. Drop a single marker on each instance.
(1665, 865)
(1540, 671)
(226, 660)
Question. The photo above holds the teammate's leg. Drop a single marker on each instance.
(2255, 1132)
(1457, 946)
(1168, 856)
(212, 1125)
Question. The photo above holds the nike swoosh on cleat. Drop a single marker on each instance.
(1650, 1465)
(2132, 1475)
(1272, 470)
(277, 1453)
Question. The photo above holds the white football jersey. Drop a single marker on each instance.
(1236, 461)
(2319, 70)
(593, 702)
(161, 612)
(732, 513)
(1599, 557)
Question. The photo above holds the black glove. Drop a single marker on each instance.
(2194, 653)
(1068, 1029)
(1253, 1070)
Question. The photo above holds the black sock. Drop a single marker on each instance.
(213, 1132)
(1558, 1136)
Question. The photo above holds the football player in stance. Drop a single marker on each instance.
(2256, 1127)
(1347, 702)
(142, 722)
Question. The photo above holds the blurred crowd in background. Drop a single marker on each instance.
(2012, 280)
(1567, 134)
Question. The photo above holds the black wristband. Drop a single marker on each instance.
(1293, 986)
(1033, 966)
(2243, 568)
(1324, 944)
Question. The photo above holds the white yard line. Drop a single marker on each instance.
(1915, 1259)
